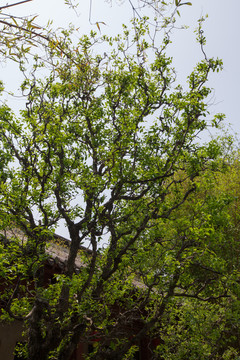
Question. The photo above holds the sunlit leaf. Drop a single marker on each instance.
(98, 26)
(186, 3)
(14, 20)
(100, 22)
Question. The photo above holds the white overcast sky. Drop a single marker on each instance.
(222, 30)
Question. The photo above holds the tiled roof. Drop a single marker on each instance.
(57, 248)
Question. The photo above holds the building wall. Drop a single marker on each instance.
(9, 335)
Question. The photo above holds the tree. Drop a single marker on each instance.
(206, 327)
(19, 35)
(107, 143)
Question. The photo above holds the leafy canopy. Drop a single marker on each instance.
(108, 143)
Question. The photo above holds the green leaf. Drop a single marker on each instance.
(186, 3)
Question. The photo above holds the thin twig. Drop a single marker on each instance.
(15, 4)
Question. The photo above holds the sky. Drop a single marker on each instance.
(222, 30)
